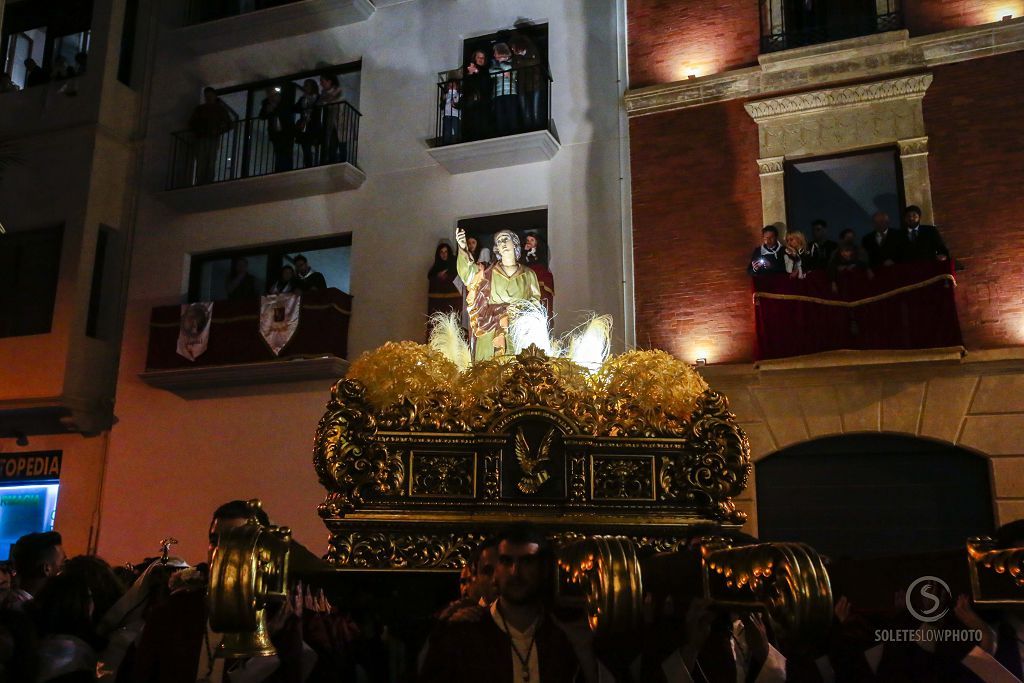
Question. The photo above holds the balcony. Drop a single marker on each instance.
(786, 24)
(493, 120)
(216, 26)
(251, 164)
(237, 353)
(896, 308)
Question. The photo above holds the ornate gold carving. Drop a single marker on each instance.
(534, 474)
(623, 477)
(390, 550)
(551, 423)
(715, 464)
(432, 549)
(352, 466)
(908, 87)
(437, 474)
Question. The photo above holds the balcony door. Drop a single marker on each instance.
(844, 190)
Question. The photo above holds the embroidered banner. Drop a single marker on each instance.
(279, 318)
(194, 329)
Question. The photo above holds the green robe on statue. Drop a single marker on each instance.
(488, 295)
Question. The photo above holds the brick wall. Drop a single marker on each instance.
(669, 39)
(932, 16)
(697, 212)
(976, 162)
(696, 216)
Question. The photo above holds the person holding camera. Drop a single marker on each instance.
(768, 258)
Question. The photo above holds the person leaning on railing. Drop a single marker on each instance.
(527, 64)
(307, 127)
(476, 98)
(506, 102)
(331, 97)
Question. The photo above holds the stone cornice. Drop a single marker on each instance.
(871, 57)
(901, 88)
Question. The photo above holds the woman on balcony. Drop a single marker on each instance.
(506, 102)
(307, 128)
(331, 97)
(443, 296)
(476, 98)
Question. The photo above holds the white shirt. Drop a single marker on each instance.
(522, 641)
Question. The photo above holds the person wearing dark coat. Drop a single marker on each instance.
(307, 279)
(924, 243)
(821, 248)
(280, 128)
(884, 245)
(767, 258)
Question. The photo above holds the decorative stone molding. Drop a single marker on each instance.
(839, 120)
(913, 147)
(771, 166)
(877, 56)
(863, 93)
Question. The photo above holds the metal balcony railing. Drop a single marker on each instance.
(262, 146)
(492, 104)
(787, 24)
(198, 11)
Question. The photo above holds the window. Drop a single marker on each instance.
(794, 23)
(525, 224)
(45, 33)
(211, 273)
(29, 269)
(844, 190)
(502, 87)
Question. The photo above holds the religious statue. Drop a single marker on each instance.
(491, 290)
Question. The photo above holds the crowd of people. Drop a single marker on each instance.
(312, 118)
(35, 75)
(496, 93)
(79, 620)
(297, 277)
(882, 247)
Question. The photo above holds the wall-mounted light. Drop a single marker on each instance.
(691, 76)
(20, 438)
(1007, 17)
(700, 362)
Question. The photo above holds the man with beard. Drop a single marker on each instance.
(516, 639)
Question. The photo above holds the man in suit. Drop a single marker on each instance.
(924, 243)
(821, 248)
(884, 245)
(767, 258)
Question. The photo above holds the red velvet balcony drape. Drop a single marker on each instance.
(235, 332)
(905, 306)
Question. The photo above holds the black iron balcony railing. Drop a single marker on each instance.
(492, 103)
(328, 134)
(198, 11)
(787, 24)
